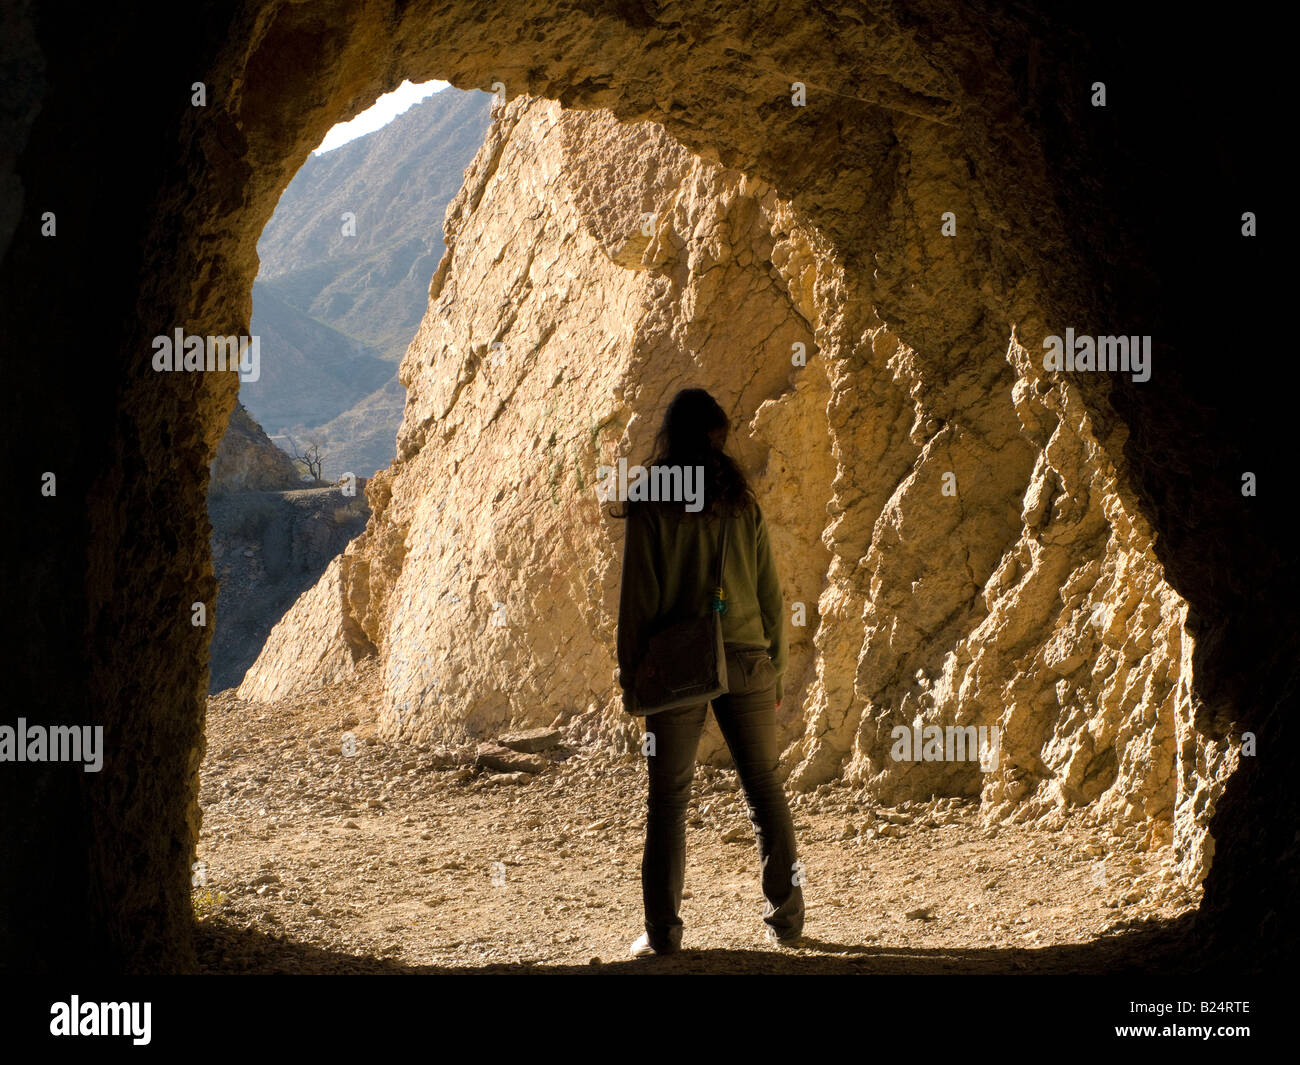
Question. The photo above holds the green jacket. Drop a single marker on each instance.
(669, 559)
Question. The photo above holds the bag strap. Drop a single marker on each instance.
(719, 602)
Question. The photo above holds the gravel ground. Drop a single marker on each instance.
(326, 848)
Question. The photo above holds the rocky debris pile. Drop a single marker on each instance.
(514, 758)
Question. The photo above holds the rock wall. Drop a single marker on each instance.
(958, 540)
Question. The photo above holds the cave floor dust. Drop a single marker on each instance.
(313, 861)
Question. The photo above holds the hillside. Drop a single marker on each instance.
(247, 461)
(360, 439)
(273, 535)
(310, 371)
(268, 547)
(336, 312)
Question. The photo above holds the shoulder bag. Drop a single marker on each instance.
(686, 663)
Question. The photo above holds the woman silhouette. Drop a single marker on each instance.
(669, 558)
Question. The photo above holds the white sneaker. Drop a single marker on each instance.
(642, 948)
(792, 943)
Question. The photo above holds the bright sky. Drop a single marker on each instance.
(384, 110)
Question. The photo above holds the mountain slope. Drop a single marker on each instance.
(310, 372)
(397, 182)
(336, 312)
(361, 439)
(247, 461)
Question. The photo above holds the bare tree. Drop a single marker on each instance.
(313, 458)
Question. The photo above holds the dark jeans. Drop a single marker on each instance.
(747, 717)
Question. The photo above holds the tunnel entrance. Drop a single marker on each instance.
(1072, 508)
(593, 267)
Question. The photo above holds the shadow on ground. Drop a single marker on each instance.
(1167, 948)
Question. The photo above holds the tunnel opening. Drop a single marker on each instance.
(886, 157)
(996, 533)
(550, 320)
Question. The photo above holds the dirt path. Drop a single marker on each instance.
(317, 861)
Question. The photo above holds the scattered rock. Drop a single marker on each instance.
(531, 741)
(504, 760)
(507, 778)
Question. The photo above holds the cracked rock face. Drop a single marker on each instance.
(952, 528)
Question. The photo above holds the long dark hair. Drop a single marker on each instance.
(693, 433)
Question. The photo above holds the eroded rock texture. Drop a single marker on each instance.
(1073, 494)
(594, 267)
